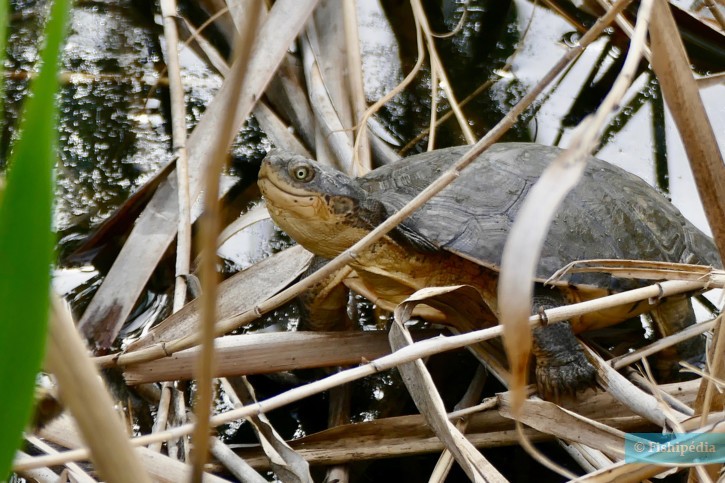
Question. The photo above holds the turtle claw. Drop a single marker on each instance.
(562, 369)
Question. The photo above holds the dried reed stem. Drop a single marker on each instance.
(209, 234)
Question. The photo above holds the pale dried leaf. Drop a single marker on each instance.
(549, 418)
(239, 293)
(327, 41)
(519, 261)
(286, 462)
(461, 305)
(640, 269)
(254, 215)
(425, 395)
(627, 393)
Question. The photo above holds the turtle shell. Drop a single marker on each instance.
(611, 213)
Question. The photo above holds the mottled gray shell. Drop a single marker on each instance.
(610, 214)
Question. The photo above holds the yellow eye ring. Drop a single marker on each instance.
(302, 172)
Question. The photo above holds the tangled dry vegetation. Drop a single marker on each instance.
(325, 106)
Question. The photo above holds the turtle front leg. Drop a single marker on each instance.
(561, 366)
(562, 369)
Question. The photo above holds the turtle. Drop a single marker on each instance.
(457, 237)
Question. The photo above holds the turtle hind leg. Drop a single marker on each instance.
(673, 315)
(562, 369)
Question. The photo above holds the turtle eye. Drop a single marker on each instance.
(302, 172)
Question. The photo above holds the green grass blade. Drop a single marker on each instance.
(3, 45)
(26, 245)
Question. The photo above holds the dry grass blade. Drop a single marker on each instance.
(681, 93)
(76, 472)
(327, 40)
(551, 419)
(162, 413)
(254, 215)
(194, 38)
(161, 468)
(286, 463)
(519, 260)
(669, 341)
(236, 465)
(179, 136)
(709, 397)
(470, 398)
(355, 83)
(717, 13)
(641, 269)
(84, 394)
(40, 475)
(628, 394)
(423, 391)
(209, 234)
(622, 472)
(178, 119)
(237, 294)
(323, 92)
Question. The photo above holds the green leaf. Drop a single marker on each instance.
(3, 46)
(26, 245)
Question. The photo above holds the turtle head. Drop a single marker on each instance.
(321, 208)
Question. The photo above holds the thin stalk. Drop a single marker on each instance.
(437, 66)
(209, 234)
(361, 157)
(178, 139)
